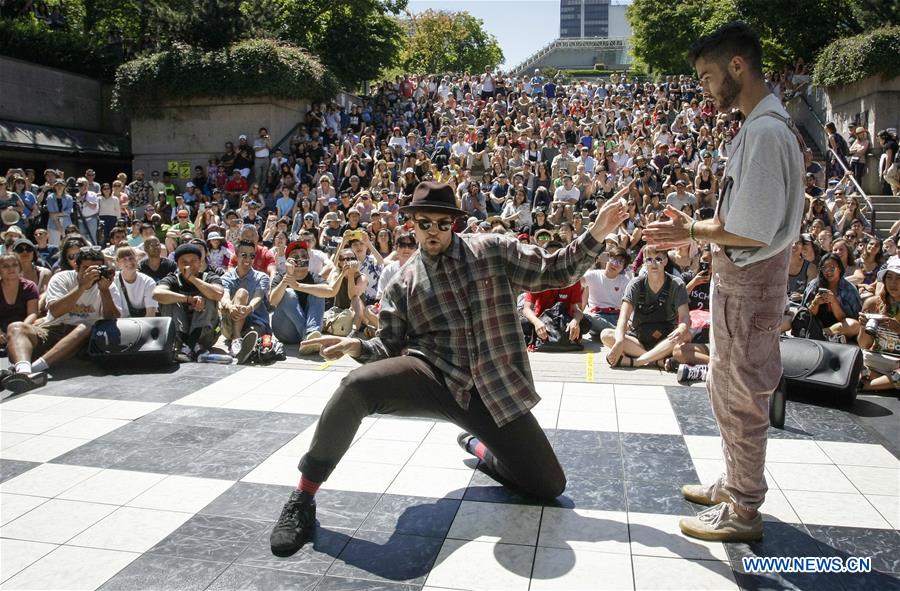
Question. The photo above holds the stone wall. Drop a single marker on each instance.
(36, 94)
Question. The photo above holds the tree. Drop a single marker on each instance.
(356, 39)
(207, 24)
(449, 42)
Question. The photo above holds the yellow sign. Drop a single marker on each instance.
(172, 167)
(185, 169)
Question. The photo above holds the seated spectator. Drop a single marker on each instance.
(218, 257)
(800, 270)
(867, 267)
(134, 288)
(833, 301)
(69, 249)
(606, 286)
(264, 261)
(20, 296)
(297, 314)
(690, 360)
(75, 301)
(245, 314)
(190, 296)
(536, 303)
(31, 270)
(879, 332)
(656, 304)
(48, 253)
(155, 265)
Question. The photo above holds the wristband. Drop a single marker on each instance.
(691, 232)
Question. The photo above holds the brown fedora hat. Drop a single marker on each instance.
(430, 196)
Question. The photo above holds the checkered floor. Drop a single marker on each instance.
(173, 480)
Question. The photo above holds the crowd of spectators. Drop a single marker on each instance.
(298, 239)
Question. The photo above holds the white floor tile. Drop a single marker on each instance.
(567, 569)
(79, 407)
(56, 521)
(839, 509)
(18, 554)
(440, 455)
(258, 401)
(47, 480)
(587, 421)
(814, 477)
(31, 403)
(874, 481)
(30, 422)
(588, 403)
(800, 451)
(643, 406)
(549, 388)
(678, 574)
(585, 529)
(302, 405)
(381, 451)
(72, 569)
(663, 424)
(859, 454)
(8, 440)
(187, 494)
(279, 470)
(703, 447)
(547, 419)
(496, 522)
(297, 446)
(588, 389)
(777, 508)
(641, 391)
(399, 429)
(361, 477)
(482, 565)
(443, 433)
(889, 507)
(708, 470)
(128, 410)
(87, 427)
(41, 448)
(114, 487)
(659, 535)
(208, 397)
(14, 506)
(424, 481)
(131, 529)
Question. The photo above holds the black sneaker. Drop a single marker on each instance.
(295, 526)
(19, 383)
(248, 343)
(463, 440)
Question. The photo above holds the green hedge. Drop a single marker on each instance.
(851, 59)
(30, 40)
(249, 68)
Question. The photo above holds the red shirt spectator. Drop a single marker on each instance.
(264, 261)
(546, 299)
(237, 184)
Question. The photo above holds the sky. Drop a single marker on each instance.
(521, 27)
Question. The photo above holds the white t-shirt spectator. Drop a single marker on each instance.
(91, 205)
(89, 307)
(318, 260)
(678, 202)
(389, 271)
(140, 293)
(604, 292)
(259, 147)
(566, 195)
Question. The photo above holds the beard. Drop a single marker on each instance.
(729, 91)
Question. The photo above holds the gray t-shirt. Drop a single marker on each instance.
(765, 202)
(678, 295)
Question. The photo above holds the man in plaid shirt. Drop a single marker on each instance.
(449, 347)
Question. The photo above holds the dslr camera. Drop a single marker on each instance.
(106, 272)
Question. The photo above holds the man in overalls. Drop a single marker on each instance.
(757, 218)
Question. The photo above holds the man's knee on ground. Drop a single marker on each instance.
(552, 485)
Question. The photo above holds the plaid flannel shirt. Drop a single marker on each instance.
(458, 311)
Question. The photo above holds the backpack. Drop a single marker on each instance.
(268, 350)
(556, 318)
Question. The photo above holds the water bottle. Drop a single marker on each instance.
(216, 358)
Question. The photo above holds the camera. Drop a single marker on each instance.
(106, 271)
(704, 267)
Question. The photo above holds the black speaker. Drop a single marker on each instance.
(827, 371)
(135, 341)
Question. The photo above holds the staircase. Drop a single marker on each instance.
(887, 209)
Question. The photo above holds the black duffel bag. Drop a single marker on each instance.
(556, 318)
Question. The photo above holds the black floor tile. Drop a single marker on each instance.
(881, 545)
(586, 491)
(485, 489)
(242, 576)
(224, 464)
(315, 557)
(152, 571)
(250, 501)
(141, 432)
(657, 497)
(98, 454)
(344, 584)
(416, 516)
(212, 537)
(256, 441)
(653, 468)
(12, 468)
(387, 557)
(638, 444)
(163, 459)
(344, 509)
(198, 436)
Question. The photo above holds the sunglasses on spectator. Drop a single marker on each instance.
(443, 225)
(657, 260)
(247, 255)
(406, 244)
(90, 249)
(346, 259)
(617, 261)
(299, 261)
(829, 269)
(23, 248)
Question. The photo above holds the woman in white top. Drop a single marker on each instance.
(606, 287)
(517, 210)
(110, 210)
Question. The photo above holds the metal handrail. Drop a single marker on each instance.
(290, 134)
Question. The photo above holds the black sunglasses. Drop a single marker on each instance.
(23, 248)
(347, 259)
(247, 255)
(425, 225)
(299, 261)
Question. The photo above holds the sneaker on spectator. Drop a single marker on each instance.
(245, 346)
(311, 349)
(836, 338)
(184, 355)
(691, 373)
(19, 383)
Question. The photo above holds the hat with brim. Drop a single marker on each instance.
(9, 216)
(214, 236)
(435, 197)
(892, 266)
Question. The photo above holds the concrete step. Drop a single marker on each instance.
(887, 207)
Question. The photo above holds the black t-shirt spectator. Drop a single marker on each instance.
(310, 279)
(49, 254)
(698, 298)
(12, 199)
(244, 158)
(173, 282)
(166, 266)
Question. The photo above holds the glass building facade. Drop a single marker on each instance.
(583, 18)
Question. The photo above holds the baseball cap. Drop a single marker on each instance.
(332, 201)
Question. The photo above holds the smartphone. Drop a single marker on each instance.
(821, 291)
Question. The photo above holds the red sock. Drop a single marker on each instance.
(308, 486)
(479, 449)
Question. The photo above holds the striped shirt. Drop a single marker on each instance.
(458, 311)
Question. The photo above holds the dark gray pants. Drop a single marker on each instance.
(409, 386)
